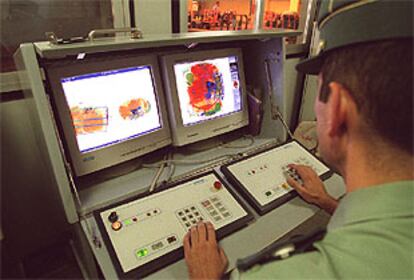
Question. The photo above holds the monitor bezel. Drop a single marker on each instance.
(91, 161)
(186, 134)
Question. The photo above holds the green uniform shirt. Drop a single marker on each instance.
(370, 236)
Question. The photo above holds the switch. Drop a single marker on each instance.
(113, 217)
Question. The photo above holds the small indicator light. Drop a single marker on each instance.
(217, 185)
(142, 253)
(127, 222)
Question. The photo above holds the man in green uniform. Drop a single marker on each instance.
(364, 113)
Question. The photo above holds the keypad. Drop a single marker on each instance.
(216, 209)
(292, 173)
(189, 216)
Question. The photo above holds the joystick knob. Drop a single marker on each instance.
(113, 217)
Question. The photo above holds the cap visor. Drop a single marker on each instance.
(310, 66)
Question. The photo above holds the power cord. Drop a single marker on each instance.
(276, 115)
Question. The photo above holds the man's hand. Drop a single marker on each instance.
(312, 190)
(204, 258)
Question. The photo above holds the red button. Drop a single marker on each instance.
(217, 185)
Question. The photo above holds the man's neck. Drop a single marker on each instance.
(380, 165)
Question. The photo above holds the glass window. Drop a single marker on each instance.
(28, 20)
(206, 15)
(281, 14)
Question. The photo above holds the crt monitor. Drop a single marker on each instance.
(109, 110)
(206, 93)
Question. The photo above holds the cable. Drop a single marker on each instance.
(188, 161)
(282, 120)
(251, 138)
(157, 175)
(171, 167)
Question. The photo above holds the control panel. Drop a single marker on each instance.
(147, 233)
(261, 178)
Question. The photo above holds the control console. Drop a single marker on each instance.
(146, 233)
(261, 178)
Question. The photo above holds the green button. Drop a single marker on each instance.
(127, 222)
(142, 253)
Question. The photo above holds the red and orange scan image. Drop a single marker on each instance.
(89, 120)
(135, 108)
(205, 89)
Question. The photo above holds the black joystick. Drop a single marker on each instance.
(113, 217)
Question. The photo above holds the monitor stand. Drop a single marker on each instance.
(212, 143)
(110, 172)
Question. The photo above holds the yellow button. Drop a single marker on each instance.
(116, 225)
(285, 186)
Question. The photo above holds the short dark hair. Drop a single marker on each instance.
(379, 76)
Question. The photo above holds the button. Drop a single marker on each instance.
(217, 185)
(180, 213)
(171, 239)
(142, 253)
(187, 224)
(157, 246)
(135, 219)
(187, 211)
(205, 203)
(268, 193)
(217, 218)
(226, 214)
(196, 213)
(113, 217)
(116, 225)
(193, 208)
(214, 213)
(214, 199)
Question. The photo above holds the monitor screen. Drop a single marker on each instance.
(208, 89)
(107, 109)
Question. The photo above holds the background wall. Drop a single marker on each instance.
(154, 16)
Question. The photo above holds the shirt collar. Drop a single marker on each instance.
(375, 202)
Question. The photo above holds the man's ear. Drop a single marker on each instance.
(340, 104)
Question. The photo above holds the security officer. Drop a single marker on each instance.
(364, 113)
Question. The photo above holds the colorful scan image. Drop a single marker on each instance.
(205, 89)
(89, 120)
(134, 109)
